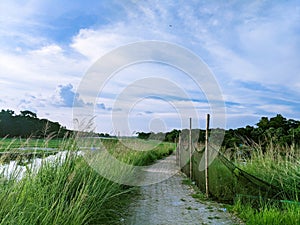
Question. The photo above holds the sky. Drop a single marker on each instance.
(252, 48)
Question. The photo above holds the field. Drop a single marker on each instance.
(67, 190)
(7, 144)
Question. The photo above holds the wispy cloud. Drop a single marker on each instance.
(251, 47)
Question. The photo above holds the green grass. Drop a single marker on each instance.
(282, 169)
(221, 181)
(69, 192)
(249, 197)
(143, 153)
(288, 214)
(7, 144)
(187, 181)
(24, 150)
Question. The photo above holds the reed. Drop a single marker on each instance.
(67, 190)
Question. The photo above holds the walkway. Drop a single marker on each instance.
(170, 202)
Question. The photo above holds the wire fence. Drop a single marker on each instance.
(224, 179)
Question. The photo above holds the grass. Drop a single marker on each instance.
(187, 181)
(280, 167)
(255, 202)
(68, 190)
(24, 150)
(198, 195)
(221, 181)
(7, 144)
(268, 214)
(143, 153)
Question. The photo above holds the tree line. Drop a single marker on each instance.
(27, 124)
(278, 130)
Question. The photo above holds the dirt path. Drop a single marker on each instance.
(170, 202)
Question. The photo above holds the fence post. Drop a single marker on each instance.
(179, 152)
(176, 149)
(190, 147)
(206, 156)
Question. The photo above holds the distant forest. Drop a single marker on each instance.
(278, 130)
(26, 124)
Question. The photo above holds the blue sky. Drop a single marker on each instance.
(252, 48)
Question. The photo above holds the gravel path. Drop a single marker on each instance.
(170, 202)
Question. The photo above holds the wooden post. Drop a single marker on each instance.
(176, 149)
(179, 152)
(190, 147)
(206, 157)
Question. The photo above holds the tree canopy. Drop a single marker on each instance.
(26, 124)
(277, 129)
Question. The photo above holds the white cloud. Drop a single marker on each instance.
(44, 68)
(52, 49)
(232, 60)
(241, 41)
(259, 43)
(95, 43)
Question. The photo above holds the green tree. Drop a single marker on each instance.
(28, 113)
(172, 136)
(278, 122)
(263, 123)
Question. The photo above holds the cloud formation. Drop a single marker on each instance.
(252, 47)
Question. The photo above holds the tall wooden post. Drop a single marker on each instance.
(179, 151)
(206, 156)
(190, 147)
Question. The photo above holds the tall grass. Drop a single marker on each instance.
(7, 144)
(269, 214)
(68, 190)
(280, 167)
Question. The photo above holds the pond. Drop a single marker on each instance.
(13, 169)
